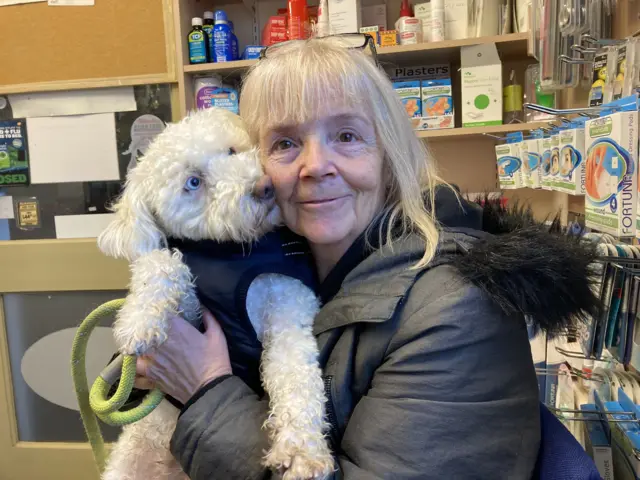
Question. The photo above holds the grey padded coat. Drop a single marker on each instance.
(428, 372)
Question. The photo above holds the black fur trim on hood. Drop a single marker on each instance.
(528, 267)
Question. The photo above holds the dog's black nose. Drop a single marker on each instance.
(263, 189)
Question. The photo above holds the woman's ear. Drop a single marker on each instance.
(133, 232)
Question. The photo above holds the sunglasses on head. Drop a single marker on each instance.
(358, 41)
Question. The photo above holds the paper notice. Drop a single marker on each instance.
(82, 226)
(71, 3)
(5, 3)
(79, 148)
(73, 102)
(6, 207)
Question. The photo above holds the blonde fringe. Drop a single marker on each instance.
(299, 79)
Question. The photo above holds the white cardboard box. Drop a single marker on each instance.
(375, 15)
(456, 19)
(423, 12)
(344, 16)
(481, 79)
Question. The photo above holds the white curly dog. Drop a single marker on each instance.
(201, 179)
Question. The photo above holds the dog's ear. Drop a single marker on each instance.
(134, 231)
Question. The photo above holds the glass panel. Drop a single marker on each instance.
(89, 197)
(40, 331)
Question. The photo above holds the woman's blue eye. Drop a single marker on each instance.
(193, 183)
(347, 137)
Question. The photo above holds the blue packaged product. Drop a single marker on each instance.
(214, 96)
(235, 46)
(222, 38)
(409, 93)
(252, 52)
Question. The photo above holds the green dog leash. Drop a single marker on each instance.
(95, 404)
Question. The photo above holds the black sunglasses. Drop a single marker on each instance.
(359, 41)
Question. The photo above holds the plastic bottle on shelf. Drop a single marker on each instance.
(235, 47)
(322, 27)
(208, 29)
(197, 41)
(408, 27)
(437, 20)
(297, 20)
(222, 37)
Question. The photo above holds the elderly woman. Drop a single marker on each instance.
(422, 336)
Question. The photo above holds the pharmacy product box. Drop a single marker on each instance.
(388, 38)
(221, 97)
(456, 19)
(597, 445)
(372, 32)
(548, 145)
(375, 15)
(344, 16)
(436, 97)
(423, 12)
(509, 162)
(611, 144)
(409, 93)
(481, 81)
(531, 156)
(252, 52)
(571, 175)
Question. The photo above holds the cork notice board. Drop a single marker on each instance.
(114, 38)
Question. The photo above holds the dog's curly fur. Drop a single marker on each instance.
(197, 182)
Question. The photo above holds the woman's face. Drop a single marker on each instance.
(327, 175)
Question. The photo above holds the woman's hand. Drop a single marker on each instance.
(187, 361)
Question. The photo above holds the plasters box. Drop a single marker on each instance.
(571, 175)
(611, 144)
(481, 79)
(532, 159)
(509, 166)
(409, 93)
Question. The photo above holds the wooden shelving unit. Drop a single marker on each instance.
(456, 133)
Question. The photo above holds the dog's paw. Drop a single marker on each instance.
(137, 334)
(301, 464)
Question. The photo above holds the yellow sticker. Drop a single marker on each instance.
(28, 214)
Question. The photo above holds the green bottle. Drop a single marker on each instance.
(198, 42)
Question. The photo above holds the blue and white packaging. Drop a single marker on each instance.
(598, 445)
(571, 176)
(611, 144)
(532, 158)
(509, 162)
(409, 93)
(222, 38)
(252, 52)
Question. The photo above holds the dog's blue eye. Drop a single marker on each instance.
(193, 183)
(232, 151)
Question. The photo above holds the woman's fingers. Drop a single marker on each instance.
(144, 383)
(212, 327)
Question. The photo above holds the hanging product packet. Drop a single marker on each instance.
(611, 189)
(550, 158)
(571, 174)
(532, 158)
(509, 162)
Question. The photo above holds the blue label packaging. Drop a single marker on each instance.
(409, 93)
(509, 162)
(611, 144)
(222, 38)
(208, 96)
(532, 158)
(571, 176)
(598, 445)
(545, 163)
(252, 52)
(436, 97)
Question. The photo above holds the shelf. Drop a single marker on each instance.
(452, 133)
(509, 46)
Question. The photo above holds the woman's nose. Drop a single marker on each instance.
(316, 159)
(263, 189)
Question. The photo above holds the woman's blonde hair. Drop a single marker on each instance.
(301, 78)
